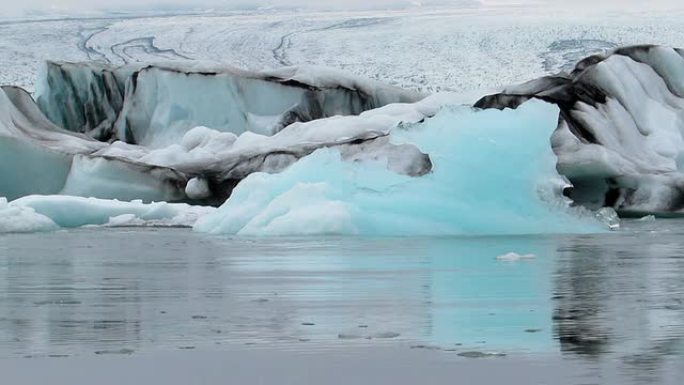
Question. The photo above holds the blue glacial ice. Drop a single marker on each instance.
(493, 173)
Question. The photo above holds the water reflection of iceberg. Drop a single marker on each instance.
(480, 302)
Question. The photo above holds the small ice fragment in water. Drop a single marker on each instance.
(609, 217)
(513, 257)
(648, 218)
(125, 220)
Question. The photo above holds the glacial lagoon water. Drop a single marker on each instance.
(609, 304)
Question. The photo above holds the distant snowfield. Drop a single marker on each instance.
(462, 50)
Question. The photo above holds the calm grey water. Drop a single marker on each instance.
(602, 301)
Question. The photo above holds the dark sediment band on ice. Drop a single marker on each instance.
(619, 137)
(135, 102)
(48, 159)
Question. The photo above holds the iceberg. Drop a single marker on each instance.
(37, 157)
(50, 212)
(202, 168)
(493, 173)
(620, 137)
(21, 219)
(307, 150)
(156, 104)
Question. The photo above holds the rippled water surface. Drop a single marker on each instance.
(613, 300)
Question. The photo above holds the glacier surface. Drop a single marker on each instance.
(493, 173)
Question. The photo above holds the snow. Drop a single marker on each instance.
(493, 173)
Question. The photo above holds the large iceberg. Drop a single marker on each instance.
(156, 104)
(620, 137)
(311, 150)
(202, 167)
(493, 173)
(182, 162)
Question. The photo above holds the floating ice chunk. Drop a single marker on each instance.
(609, 217)
(18, 219)
(71, 211)
(514, 257)
(125, 220)
(647, 218)
(489, 169)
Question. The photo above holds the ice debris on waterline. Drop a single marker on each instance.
(493, 173)
(21, 219)
(44, 213)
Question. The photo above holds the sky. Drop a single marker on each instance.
(17, 8)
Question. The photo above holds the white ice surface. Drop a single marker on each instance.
(44, 212)
(210, 149)
(22, 219)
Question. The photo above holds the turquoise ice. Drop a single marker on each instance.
(493, 173)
